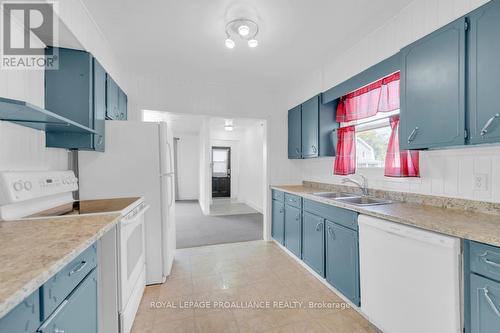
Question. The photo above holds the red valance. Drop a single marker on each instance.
(379, 96)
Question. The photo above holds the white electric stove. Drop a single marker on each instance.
(42, 194)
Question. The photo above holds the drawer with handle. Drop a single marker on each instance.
(485, 260)
(293, 200)
(60, 285)
(78, 312)
(278, 195)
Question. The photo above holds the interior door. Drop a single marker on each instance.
(221, 172)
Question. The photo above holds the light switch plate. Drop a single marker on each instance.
(480, 182)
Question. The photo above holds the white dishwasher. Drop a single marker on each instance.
(410, 278)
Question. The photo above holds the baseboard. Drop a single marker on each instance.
(254, 206)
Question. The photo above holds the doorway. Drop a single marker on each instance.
(221, 172)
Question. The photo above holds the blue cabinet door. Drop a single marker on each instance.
(342, 260)
(24, 318)
(278, 227)
(122, 105)
(433, 89)
(77, 313)
(293, 230)
(310, 128)
(485, 305)
(77, 91)
(99, 105)
(484, 74)
(313, 242)
(295, 133)
(112, 108)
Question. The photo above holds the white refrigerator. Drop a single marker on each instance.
(138, 161)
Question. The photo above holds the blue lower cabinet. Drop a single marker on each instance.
(293, 229)
(313, 242)
(78, 312)
(55, 290)
(485, 305)
(342, 260)
(24, 318)
(278, 227)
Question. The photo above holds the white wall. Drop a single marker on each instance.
(188, 161)
(252, 167)
(205, 168)
(443, 172)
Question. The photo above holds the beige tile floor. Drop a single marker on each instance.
(213, 289)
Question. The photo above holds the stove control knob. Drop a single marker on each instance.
(18, 186)
(28, 186)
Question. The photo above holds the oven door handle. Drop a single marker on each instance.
(133, 219)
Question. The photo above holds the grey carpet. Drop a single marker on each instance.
(195, 229)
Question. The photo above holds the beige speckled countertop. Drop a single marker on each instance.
(480, 227)
(32, 251)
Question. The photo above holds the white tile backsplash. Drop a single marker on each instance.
(444, 173)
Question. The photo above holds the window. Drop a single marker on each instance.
(372, 139)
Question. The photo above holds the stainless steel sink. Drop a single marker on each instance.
(364, 201)
(334, 195)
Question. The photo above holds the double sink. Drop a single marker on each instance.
(352, 199)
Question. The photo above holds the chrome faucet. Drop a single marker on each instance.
(363, 184)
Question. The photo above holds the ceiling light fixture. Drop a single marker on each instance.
(228, 125)
(243, 28)
(253, 43)
(230, 43)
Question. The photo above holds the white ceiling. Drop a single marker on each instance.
(185, 39)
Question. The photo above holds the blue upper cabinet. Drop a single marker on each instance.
(295, 133)
(484, 74)
(76, 91)
(433, 89)
(122, 105)
(112, 109)
(310, 128)
(116, 101)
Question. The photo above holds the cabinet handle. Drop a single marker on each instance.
(315, 150)
(56, 330)
(331, 233)
(490, 121)
(413, 134)
(489, 262)
(490, 301)
(297, 151)
(281, 211)
(297, 218)
(318, 226)
(78, 268)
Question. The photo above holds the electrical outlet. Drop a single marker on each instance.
(481, 182)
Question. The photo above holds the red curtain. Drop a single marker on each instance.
(345, 160)
(379, 96)
(398, 163)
